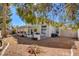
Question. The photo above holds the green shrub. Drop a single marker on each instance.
(14, 31)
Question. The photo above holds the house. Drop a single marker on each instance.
(37, 30)
(47, 30)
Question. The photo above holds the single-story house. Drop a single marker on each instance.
(46, 30)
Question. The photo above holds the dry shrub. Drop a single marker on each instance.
(34, 49)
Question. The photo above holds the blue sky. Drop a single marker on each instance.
(16, 20)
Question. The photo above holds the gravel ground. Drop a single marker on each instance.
(76, 51)
(21, 50)
(19, 47)
(4, 45)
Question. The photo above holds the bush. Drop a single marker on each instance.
(35, 30)
(14, 31)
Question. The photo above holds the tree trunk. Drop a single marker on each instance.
(5, 18)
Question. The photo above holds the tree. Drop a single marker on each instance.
(5, 18)
(71, 10)
(4, 26)
(27, 12)
(72, 14)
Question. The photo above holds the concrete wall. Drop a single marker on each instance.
(67, 33)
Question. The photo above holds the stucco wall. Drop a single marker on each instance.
(67, 33)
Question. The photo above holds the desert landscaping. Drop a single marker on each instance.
(39, 29)
(19, 46)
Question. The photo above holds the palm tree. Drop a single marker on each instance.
(27, 11)
(5, 18)
(72, 10)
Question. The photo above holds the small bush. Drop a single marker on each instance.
(14, 31)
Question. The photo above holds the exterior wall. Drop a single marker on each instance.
(51, 30)
(48, 30)
(67, 33)
(22, 29)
